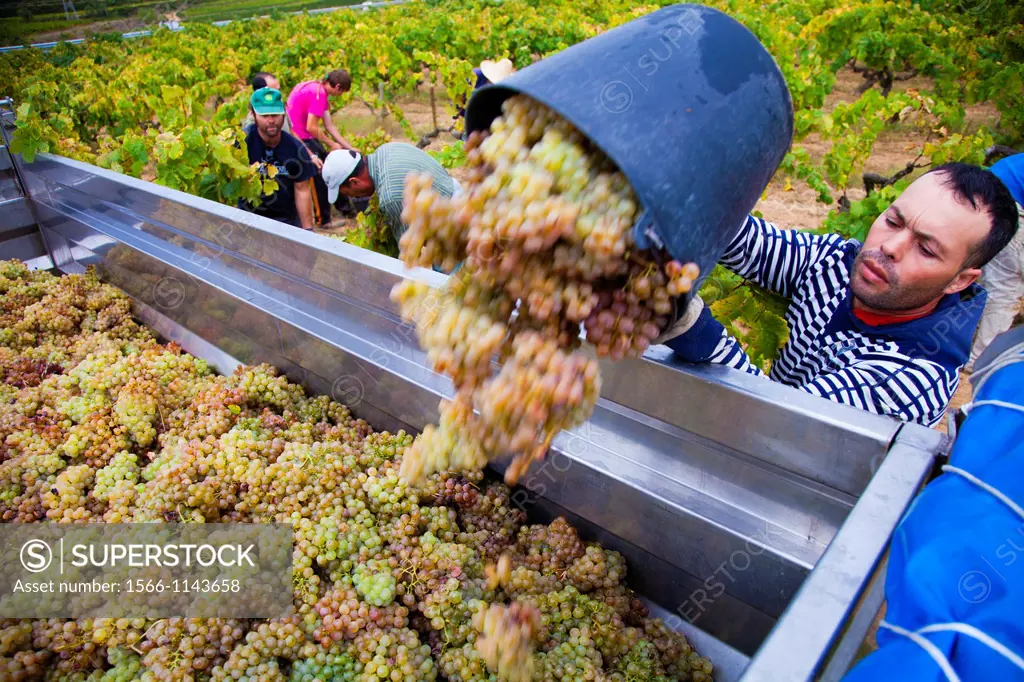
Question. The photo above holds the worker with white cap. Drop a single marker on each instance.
(489, 72)
(494, 71)
(383, 173)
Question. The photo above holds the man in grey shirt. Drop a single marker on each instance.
(383, 173)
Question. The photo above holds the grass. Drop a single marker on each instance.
(219, 10)
(18, 31)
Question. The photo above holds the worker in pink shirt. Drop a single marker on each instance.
(309, 113)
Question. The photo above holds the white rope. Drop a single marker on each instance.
(932, 650)
(962, 628)
(995, 403)
(971, 631)
(1011, 355)
(986, 487)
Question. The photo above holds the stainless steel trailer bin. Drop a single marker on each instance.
(755, 517)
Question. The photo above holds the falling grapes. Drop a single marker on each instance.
(507, 639)
(544, 234)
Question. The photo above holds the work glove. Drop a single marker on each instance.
(685, 321)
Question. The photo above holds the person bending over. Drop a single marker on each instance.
(383, 173)
(310, 112)
(886, 325)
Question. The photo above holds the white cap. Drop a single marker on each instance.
(337, 167)
(498, 71)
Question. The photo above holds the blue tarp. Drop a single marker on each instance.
(958, 555)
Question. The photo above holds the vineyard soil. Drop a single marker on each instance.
(799, 207)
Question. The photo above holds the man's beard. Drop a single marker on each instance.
(266, 134)
(895, 297)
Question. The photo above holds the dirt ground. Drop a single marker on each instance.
(892, 151)
(120, 25)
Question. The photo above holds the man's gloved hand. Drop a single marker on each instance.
(685, 321)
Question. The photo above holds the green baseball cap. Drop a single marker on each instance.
(267, 102)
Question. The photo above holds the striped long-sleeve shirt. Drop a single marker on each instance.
(389, 165)
(906, 370)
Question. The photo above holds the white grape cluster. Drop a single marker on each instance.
(544, 235)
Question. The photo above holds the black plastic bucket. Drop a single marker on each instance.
(689, 105)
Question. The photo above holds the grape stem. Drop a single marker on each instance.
(145, 634)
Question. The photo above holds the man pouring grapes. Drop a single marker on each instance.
(886, 325)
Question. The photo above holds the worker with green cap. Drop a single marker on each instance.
(282, 157)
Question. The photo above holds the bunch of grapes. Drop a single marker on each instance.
(69, 642)
(544, 227)
(675, 654)
(342, 667)
(376, 587)
(15, 636)
(538, 392)
(622, 600)
(181, 648)
(568, 611)
(119, 632)
(387, 494)
(123, 467)
(493, 515)
(448, 446)
(245, 662)
(96, 439)
(136, 409)
(465, 664)
(262, 385)
(378, 448)
(343, 615)
(393, 654)
(461, 339)
(449, 609)
(125, 665)
(597, 568)
(66, 500)
(523, 581)
(549, 548)
(576, 659)
(25, 666)
(278, 638)
(459, 490)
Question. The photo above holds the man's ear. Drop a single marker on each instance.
(963, 279)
